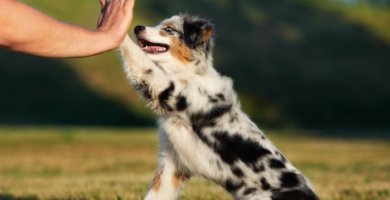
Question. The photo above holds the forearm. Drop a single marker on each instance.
(63, 40)
(27, 30)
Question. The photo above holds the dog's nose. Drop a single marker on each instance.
(138, 29)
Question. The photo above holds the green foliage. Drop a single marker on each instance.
(46, 91)
(301, 63)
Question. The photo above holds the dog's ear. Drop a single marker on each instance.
(197, 32)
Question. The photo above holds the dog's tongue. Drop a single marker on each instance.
(154, 49)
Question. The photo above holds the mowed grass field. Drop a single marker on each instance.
(108, 164)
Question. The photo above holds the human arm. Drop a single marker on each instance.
(27, 30)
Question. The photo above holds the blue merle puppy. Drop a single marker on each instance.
(203, 130)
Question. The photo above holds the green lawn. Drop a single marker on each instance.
(103, 163)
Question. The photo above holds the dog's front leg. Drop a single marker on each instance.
(141, 71)
(167, 182)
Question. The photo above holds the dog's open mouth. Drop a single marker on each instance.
(151, 47)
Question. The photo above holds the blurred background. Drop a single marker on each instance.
(295, 63)
(314, 73)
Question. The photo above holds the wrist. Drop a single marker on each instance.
(108, 40)
(104, 39)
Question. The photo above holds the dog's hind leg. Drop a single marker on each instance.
(168, 181)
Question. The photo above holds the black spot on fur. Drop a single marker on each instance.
(164, 96)
(263, 137)
(181, 103)
(276, 164)
(249, 191)
(217, 98)
(193, 33)
(257, 168)
(202, 120)
(264, 184)
(289, 180)
(221, 96)
(213, 100)
(207, 119)
(149, 71)
(229, 148)
(197, 62)
(143, 88)
(295, 195)
(232, 187)
(146, 94)
(233, 147)
(238, 172)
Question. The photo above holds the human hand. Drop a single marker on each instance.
(115, 19)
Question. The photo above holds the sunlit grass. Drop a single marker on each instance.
(103, 163)
(374, 19)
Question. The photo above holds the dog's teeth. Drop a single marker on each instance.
(153, 49)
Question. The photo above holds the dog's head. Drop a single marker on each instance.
(185, 39)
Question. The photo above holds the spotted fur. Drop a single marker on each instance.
(203, 131)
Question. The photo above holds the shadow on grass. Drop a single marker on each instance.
(12, 197)
(41, 91)
(31, 197)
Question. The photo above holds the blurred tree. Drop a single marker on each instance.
(296, 63)
(42, 91)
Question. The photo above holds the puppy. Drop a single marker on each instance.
(203, 130)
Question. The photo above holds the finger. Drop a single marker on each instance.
(129, 4)
(101, 17)
(113, 3)
(99, 22)
(102, 3)
(121, 2)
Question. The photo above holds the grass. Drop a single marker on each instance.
(102, 163)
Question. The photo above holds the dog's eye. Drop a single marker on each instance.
(169, 29)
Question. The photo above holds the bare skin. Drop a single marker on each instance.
(27, 30)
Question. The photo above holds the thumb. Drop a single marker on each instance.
(102, 3)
